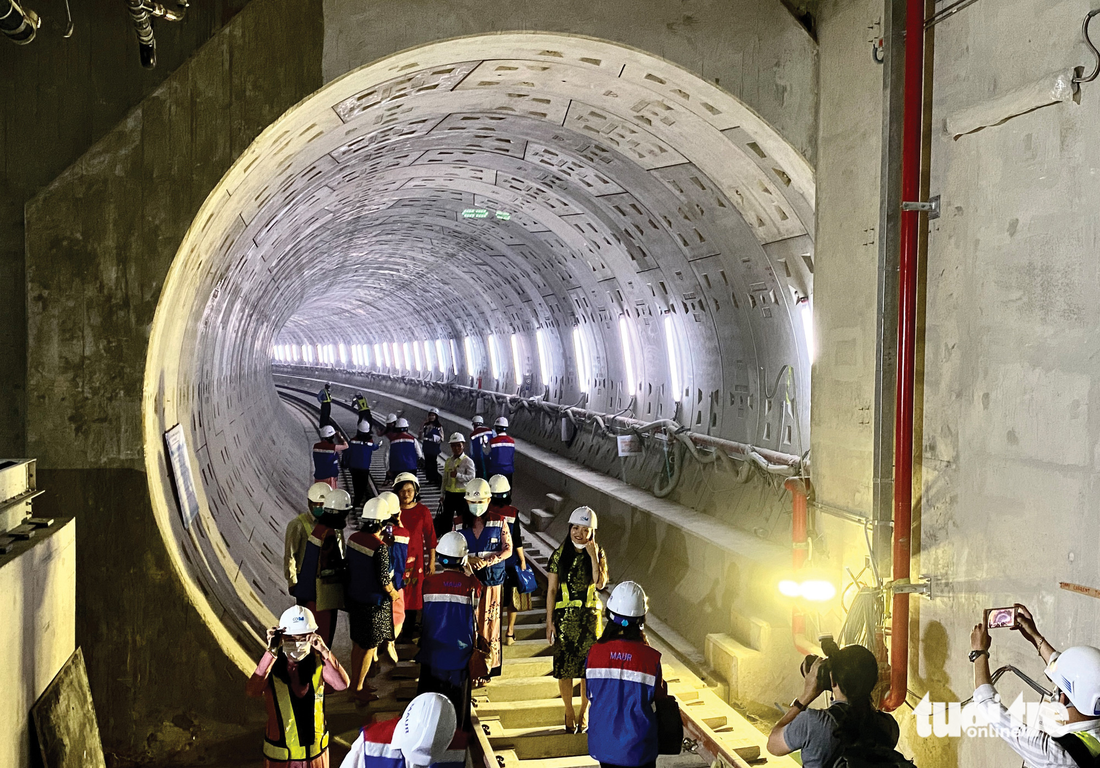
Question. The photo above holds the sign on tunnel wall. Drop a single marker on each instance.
(183, 480)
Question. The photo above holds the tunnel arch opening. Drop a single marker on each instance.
(633, 191)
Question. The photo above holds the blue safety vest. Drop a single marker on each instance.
(448, 624)
(490, 542)
(399, 556)
(430, 432)
(359, 452)
(623, 678)
(326, 462)
(403, 456)
(319, 563)
(364, 585)
(502, 455)
(479, 445)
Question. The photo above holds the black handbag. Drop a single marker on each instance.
(670, 728)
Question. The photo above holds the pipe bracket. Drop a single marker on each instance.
(932, 207)
(922, 586)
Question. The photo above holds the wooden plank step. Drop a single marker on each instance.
(525, 649)
(520, 688)
(535, 666)
(533, 744)
(518, 714)
(540, 519)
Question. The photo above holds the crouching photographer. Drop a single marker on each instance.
(851, 726)
(1069, 731)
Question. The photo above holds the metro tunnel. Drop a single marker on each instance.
(793, 297)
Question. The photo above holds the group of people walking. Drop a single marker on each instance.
(444, 582)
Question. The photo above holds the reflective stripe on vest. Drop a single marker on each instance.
(593, 600)
(1090, 741)
(291, 749)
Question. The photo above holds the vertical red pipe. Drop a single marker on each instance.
(907, 328)
(800, 540)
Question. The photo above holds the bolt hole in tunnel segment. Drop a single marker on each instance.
(630, 189)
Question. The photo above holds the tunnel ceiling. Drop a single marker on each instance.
(627, 186)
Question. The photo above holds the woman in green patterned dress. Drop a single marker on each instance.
(577, 569)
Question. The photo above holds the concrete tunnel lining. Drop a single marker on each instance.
(633, 186)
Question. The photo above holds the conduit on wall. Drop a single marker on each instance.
(629, 188)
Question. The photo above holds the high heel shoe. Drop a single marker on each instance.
(582, 725)
(570, 727)
(509, 638)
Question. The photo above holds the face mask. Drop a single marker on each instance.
(296, 650)
(478, 509)
(1054, 719)
(317, 511)
(578, 547)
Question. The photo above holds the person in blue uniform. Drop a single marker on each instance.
(405, 451)
(320, 584)
(448, 633)
(480, 435)
(326, 456)
(357, 458)
(623, 682)
(431, 438)
(502, 452)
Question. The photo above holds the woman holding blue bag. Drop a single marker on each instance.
(519, 582)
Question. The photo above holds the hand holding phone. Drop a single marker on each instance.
(1002, 618)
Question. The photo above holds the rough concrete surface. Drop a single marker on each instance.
(100, 240)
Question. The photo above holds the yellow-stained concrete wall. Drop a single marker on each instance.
(38, 631)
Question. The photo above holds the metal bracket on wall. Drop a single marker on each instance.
(922, 586)
(932, 207)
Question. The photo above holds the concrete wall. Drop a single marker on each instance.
(100, 240)
(1008, 419)
(37, 590)
(755, 50)
(60, 96)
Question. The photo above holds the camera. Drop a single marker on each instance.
(824, 673)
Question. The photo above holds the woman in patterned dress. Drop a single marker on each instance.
(576, 571)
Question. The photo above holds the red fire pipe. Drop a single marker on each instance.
(907, 327)
(800, 490)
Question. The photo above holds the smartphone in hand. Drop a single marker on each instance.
(1002, 618)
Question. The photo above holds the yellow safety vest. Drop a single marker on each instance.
(1091, 742)
(591, 601)
(290, 748)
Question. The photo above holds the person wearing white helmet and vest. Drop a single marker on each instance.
(291, 676)
(297, 533)
(324, 397)
(490, 545)
(431, 437)
(511, 598)
(385, 432)
(1069, 732)
(326, 456)
(623, 682)
(576, 572)
(370, 594)
(320, 584)
(416, 518)
(448, 632)
(405, 451)
(457, 471)
(501, 451)
(357, 458)
(480, 435)
(362, 407)
(424, 736)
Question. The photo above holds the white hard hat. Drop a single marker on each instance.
(376, 509)
(452, 544)
(406, 477)
(393, 504)
(425, 730)
(499, 484)
(477, 420)
(317, 491)
(1076, 672)
(501, 421)
(402, 423)
(478, 496)
(363, 425)
(328, 431)
(338, 499)
(297, 620)
(583, 516)
(391, 418)
(434, 410)
(457, 438)
(628, 600)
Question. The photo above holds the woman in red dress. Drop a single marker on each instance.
(417, 519)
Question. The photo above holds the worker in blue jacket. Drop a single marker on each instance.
(502, 451)
(623, 682)
(480, 435)
(405, 451)
(357, 458)
(326, 456)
